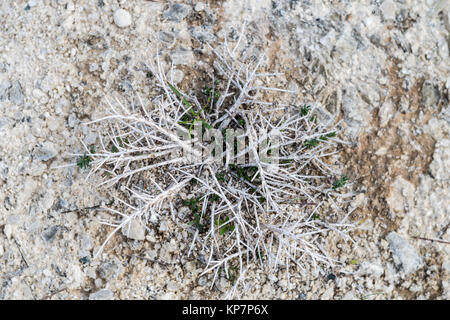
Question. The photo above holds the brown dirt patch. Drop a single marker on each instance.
(406, 154)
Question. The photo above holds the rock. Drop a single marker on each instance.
(182, 56)
(4, 86)
(125, 86)
(388, 9)
(446, 289)
(328, 294)
(85, 241)
(60, 105)
(183, 212)
(374, 269)
(109, 270)
(440, 166)
(15, 93)
(404, 255)
(356, 111)
(200, 6)
(177, 76)
(202, 281)
(134, 230)
(446, 266)
(176, 12)
(172, 286)
(53, 124)
(330, 277)
(49, 233)
(223, 284)
(46, 151)
(90, 138)
(93, 67)
(8, 230)
(163, 226)
(3, 171)
(401, 195)
(202, 34)
(430, 95)
(349, 296)
(104, 294)
(386, 112)
(98, 283)
(166, 36)
(122, 18)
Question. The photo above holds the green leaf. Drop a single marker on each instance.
(83, 161)
(220, 176)
(315, 216)
(311, 143)
(183, 99)
(340, 182)
(304, 110)
(206, 124)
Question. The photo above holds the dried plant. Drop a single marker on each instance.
(272, 202)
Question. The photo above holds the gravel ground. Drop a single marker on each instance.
(382, 67)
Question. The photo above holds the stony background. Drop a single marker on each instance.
(382, 67)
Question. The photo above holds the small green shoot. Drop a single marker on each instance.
(214, 197)
(232, 272)
(304, 110)
(225, 228)
(179, 95)
(196, 223)
(340, 182)
(189, 120)
(246, 173)
(84, 161)
(194, 205)
(329, 135)
(311, 143)
(259, 256)
(220, 176)
(315, 216)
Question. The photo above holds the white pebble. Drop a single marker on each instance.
(8, 230)
(177, 76)
(200, 6)
(122, 18)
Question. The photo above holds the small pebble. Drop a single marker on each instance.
(104, 294)
(122, 18)
(84, 260)
(331, 277)
(7, 230)
(98, 283)
(134, 230)
(200, 6)
(176, 12)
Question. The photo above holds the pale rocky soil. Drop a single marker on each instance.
(383, 67)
